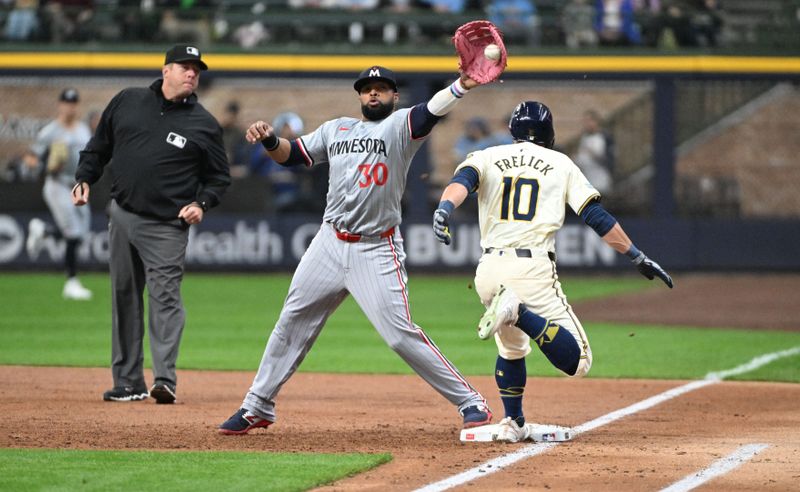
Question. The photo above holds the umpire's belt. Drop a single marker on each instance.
(519, 252)
(349, 237)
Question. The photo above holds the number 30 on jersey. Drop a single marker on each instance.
(376, 174)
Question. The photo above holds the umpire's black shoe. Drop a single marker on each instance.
(162, 393)
(125, 393)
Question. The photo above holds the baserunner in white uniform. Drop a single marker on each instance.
(523, 190)
(358, 249)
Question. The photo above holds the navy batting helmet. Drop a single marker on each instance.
(532, 121)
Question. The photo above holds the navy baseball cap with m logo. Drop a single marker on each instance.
(184, 53)
(373, 74)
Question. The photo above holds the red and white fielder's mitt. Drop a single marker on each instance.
(470, 40)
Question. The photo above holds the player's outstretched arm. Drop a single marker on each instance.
(424, 116)
(607, 227)
(617, 239)
(278, 148)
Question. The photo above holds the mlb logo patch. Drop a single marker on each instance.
(176, 140)
(192, 51)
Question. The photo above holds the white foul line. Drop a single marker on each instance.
(717, 468)
(505, 460)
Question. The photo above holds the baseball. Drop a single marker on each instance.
(492, 52)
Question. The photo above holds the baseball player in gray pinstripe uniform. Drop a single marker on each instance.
(358, 249)
(58, 144)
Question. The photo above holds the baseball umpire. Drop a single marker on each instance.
(168, 167)
(523, 189)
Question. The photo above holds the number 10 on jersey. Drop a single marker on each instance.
(525, 192)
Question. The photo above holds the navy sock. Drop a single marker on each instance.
(531, 323)
(510, 376)
(555, 341)
(71, 257)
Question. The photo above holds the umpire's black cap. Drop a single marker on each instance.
(184, 53)
(375, 73)
(69, 95)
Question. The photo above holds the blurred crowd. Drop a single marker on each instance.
(292, 189)
(253, 23)
(593, 152)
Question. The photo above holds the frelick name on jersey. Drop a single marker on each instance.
(523, 161)
(358, 145)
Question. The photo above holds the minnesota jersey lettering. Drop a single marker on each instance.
(358, 145)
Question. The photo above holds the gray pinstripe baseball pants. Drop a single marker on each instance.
(373, 271)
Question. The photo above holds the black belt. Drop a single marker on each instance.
(521, 253)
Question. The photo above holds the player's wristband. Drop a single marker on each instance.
(271, 142)
(446, 99)
(457, 89)
(447, 206)
(633, 253)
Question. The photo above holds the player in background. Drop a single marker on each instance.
(523, 189)
(58, 144)
(358, 249)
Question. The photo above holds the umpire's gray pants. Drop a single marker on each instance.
(145, 251)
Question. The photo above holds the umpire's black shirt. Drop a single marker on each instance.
(163, 155)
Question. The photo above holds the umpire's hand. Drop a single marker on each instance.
(192, 213)
(80, 194)
(651, 269)
(258, 131)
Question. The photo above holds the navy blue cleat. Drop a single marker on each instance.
(242, 422)
(476, 415)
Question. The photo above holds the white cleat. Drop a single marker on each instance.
(36, 233)
(504, 310)
(74, 290)
(509, 431)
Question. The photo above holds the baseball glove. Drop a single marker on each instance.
(470, 40)
(59, 153)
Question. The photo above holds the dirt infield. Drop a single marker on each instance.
(61, 408)
(401, 415)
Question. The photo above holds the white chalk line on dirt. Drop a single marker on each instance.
(505, 460)
(717, 468)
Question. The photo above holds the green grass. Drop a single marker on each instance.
(36, 469)
(229, 318)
